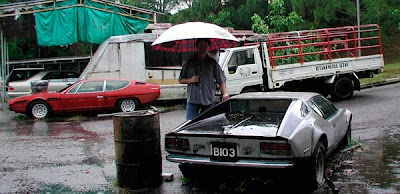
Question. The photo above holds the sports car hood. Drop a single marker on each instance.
(231, 124)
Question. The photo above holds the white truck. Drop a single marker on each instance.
(327, 61)
(131, 57)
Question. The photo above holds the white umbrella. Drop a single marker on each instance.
(182, 37)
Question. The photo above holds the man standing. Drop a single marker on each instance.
(202, 73)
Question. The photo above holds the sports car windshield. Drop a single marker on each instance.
(241, 114)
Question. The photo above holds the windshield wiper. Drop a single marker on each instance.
(237, 124)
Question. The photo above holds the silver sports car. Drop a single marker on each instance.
(273, 130)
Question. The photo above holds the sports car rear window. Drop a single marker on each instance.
(115, 85)
(260, 106)
(242, 112)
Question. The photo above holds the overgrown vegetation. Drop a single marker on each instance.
(241, 188)
(21, 118)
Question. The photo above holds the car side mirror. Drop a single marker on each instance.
(232, 69)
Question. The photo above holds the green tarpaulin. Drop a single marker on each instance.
(83, 24)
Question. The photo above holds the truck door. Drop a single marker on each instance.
(243, 69)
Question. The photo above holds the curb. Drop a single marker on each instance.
(381, 83)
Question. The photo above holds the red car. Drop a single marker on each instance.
(88, 95)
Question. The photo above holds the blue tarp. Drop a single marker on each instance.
(74, 24)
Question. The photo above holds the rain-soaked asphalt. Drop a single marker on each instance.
(376, 124)
(75, 155)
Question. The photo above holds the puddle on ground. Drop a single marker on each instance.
(52, 142)
(375, 168)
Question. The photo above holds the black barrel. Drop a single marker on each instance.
(137, 149)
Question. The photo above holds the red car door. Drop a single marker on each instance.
(87, 96)
(116, 89)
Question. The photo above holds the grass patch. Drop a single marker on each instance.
(21, 118)
(354, 142)
(185, 180)
(241, 188)
(391, 70)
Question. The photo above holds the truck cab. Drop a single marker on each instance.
(243, 69)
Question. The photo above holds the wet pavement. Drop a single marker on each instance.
(67, 154)
(375, 166)
(76, 154)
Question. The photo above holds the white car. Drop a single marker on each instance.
(21, 74)
(256, 131)
(56, 80)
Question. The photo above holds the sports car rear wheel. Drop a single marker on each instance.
(127, 105)
(38, 110)
(318, 163)
(193, 171)
(347, 138)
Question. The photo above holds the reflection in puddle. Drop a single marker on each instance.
(376, 169)
(40, 128)
(61, 130)
(59, 143)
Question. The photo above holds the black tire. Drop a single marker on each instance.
(347, 138)
(39, 110)
(342, 89)
(127, 105)
(317, 166)
(187, 170)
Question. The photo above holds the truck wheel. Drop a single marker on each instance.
(38, 110)
(127, 105)
(342, 89)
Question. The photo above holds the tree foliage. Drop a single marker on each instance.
(259, 25)
(154, 5)
(262, 16)
(228, 13)
(329, 13)
(396, 13)
(277, 20)
(248, 14)
(379, 11)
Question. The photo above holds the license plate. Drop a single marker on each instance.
(224, 151)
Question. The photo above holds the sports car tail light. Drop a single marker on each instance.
(177, 144)
(10, 88)
(275, 148)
